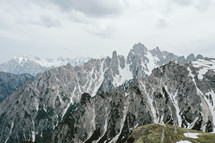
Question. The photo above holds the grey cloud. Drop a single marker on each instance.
(46, 21)
(182, 2)
(106, 32)
(79, 17)
(199, 4)
(203, 5)
(49, 22)
(161, 23)
(94, 8)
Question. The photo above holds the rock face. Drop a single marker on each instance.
(104, 99)
(34, 65)
(10, 82)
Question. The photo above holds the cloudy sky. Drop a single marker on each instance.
(74, 28)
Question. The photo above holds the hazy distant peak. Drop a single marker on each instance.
(191, 57)
(199, 56)
(34, 65)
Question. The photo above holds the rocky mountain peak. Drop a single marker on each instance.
(157, 52)
(199, 56)
(157, 48)
(139, 49)
(114, 56)
(191, 57)
(137, 53)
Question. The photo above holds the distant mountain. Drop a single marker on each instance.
(34, 65)
(104, 99)
(10, 82)
(161, 133)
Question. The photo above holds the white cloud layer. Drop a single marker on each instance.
(71, 28)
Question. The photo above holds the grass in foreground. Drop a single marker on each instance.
(164, 133)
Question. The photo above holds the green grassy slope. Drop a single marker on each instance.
(161, 133)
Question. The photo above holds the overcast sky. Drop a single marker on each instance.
(93, 28)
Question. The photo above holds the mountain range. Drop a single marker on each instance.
(103, 100)
(34, 65)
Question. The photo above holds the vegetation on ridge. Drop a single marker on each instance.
(164, 133)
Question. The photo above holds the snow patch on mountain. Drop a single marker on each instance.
(99, 80)
(184, 142)
(191, 135)
(124, 75)
(175, 102)
(152, 63)
(150, 101)
(203, 66)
